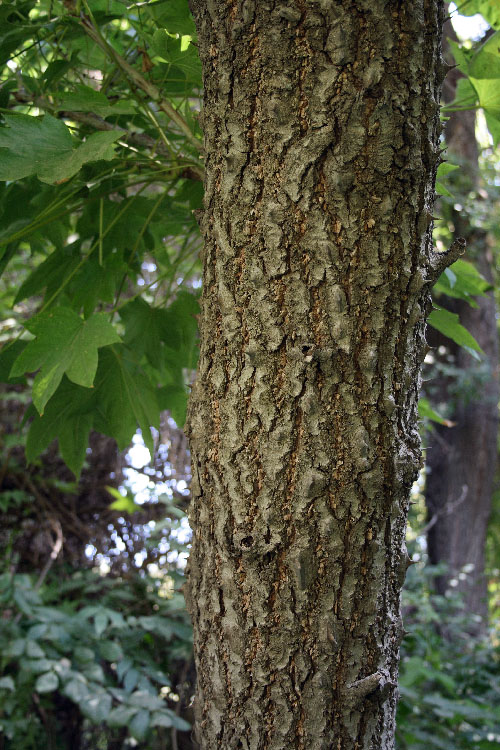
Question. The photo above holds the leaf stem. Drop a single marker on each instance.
(90, 251)
(148, 87)
(101, 202)
(136, 245)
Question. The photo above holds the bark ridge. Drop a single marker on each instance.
(321, 135)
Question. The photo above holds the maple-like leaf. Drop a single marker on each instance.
(125, 398)
(44, 147)
(68, 417)
(64, 344)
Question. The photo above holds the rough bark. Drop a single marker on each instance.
(462, 460)
(321, 134)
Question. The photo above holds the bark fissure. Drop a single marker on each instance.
(321, 133)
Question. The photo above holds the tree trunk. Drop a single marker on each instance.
(321, 134)
(462, 460)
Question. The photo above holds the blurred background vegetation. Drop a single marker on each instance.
(95, 642)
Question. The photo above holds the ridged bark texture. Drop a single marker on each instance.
(462, 460)
(321, 134)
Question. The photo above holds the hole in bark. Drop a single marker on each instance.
(268, 558)
(247, 541)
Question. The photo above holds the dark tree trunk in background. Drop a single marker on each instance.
(462, 460)
(321, 133)
(52, 508)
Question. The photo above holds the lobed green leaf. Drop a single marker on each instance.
(64, 344)
(448, 324)
(44, 147)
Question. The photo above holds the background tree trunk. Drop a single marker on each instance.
(462, 460)
(321, 133)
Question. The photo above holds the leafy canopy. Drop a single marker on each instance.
(100, 172)
(101, 168)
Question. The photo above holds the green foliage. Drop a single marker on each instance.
(426, 412)
(124, 393)
(128, 398)
(179, 52)
(44, 147)
(64, 344)
(100, 177)
(442, 171)
(100, 657)
(462, 280)
(448, 324)
(86, 99)
(481, 66)
(449, 681)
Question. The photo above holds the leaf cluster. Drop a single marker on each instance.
(100, 172)
(449, 681)
(480, 65)
(110, 659)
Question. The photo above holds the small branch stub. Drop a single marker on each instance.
(359, 690)
(440, 261)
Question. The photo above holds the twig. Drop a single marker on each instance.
(357, 691)
(5, 465)
(438, 262)
(149, 88)
(184, 673)
(448, 508)
(45, 720)
(54, 554)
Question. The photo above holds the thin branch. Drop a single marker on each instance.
(54, 554)
(190, 172)
(148, 87)
(445, 511)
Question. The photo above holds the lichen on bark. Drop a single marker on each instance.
(321, 136)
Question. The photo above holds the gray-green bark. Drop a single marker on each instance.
(321, 134)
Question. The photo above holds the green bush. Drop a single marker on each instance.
(91, 655)
(449, 680)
